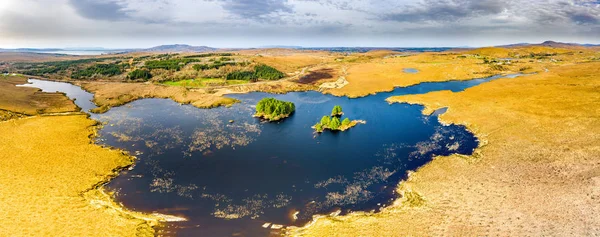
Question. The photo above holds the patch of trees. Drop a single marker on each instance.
(274, 109)
(489, 61)
(241, 75)
(541, 55)
(214, 65)
(208, 55)
(169, 64)
(139, 74)
(333, 122)
(39, 69)
(267, 72)
(260, 72)
(97, 69)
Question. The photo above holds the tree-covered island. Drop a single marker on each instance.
(273, 109)
(333, 122)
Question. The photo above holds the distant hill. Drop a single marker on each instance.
(280, 47)
(550, 43)
(176, 48)
(29, 50)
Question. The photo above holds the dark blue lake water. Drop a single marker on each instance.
(238, 178)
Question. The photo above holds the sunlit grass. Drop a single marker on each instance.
(49, 171)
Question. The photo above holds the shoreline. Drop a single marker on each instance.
(223, 91)
(105, 199)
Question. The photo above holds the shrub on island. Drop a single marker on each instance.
(273, 109)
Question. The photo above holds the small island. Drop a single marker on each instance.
(337, 111)
(333, 122)
(273, 109)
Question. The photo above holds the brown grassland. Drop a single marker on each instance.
(110, 94)
(536, 172)
(49, 174)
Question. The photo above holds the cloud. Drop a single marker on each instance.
(578, 12)
(109, 10)
(447, 10)
(256, 9)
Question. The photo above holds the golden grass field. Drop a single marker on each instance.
(536, 173)
(49, 171)
(383, 70)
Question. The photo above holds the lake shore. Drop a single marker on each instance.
(43, 185)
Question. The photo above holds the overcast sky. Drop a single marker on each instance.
(251, 23)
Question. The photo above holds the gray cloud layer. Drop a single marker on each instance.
(99, 10)
(243, 23)
(432, 10)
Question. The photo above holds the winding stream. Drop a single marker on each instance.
(249, 177)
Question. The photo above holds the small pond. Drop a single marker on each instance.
(410, 70)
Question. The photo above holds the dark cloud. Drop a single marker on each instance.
(99, 9)
(581, 12)
(256, 9)
(447, 10)
(584, 18)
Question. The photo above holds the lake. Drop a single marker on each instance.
(250, 176)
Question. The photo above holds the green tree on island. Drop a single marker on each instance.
(346, 122)
(274, 109)
(334, 123)
(325, 120)
(336, 111)
(319, 127)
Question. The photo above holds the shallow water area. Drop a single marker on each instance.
(82, 98)
(410, 70)
(250, 176)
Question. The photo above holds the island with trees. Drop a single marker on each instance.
(337, 111)
(273, 109)
(333, 122)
